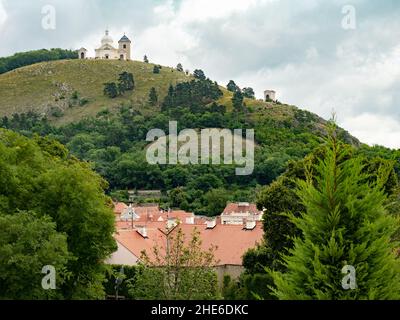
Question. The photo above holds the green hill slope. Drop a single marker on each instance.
(46, 86)
(43, 86)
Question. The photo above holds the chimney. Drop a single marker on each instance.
(190, 220)
(243, 207)
(250, 225)
(211, 224)
(142, 230)
(171, 223)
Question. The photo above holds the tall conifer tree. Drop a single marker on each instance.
(345, 228)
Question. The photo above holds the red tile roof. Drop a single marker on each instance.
(180, 214)
(241, 208)
(232, 241)
(119, 207)
(135, 243)
(153, 213)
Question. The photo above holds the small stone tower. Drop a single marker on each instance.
(124, 48)
(270, 95)
(82, 53)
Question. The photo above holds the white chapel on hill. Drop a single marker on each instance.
(108, 51)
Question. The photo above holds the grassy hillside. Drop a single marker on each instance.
(41, 86)
(48, 86)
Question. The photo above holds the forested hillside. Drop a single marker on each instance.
(110, 133)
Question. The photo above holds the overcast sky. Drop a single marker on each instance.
(312, 52)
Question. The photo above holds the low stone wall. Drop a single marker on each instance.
(234, 271)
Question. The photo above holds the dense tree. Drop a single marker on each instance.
(237, 101)
(176, 176)
(206, 182)
(133, 170)
(279, 199)
(248, 93)
(156, 69)
(113, 142)
(111, 90)
(215, 201)
(19, 60)
(121, 88)
(126, 81)
(178, 198)
(27, 244)
(40, 177)
(232, 86)
(194, 94)
(153, 97)
(120, 277)
(345, 223)
(217, 108)
(199, 74)
(247, 287)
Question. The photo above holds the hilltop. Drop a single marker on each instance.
(44, 86)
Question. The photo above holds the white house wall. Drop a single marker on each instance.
(122, 257)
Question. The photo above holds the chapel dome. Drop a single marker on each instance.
(107, 39)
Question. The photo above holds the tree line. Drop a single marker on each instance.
(22, 59)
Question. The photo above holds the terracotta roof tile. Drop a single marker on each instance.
(231, 241)
(119, 207)
(241, 208)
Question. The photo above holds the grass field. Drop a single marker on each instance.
(45, 85)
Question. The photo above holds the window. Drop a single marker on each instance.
(124, 46)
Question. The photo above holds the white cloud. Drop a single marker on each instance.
(202, 10)
(165, 11)
(312, 53)
(165, 44)
(374, 129)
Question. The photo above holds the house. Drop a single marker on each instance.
(232, 240)
(240, 213)
(151, 213)
(119, 209)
